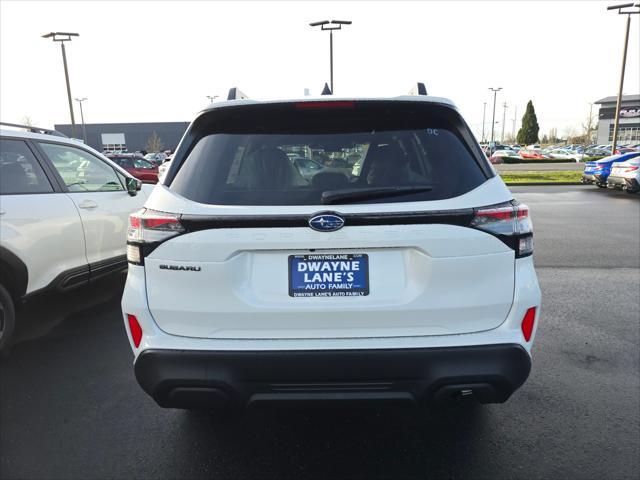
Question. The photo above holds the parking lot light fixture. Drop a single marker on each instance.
(628, 13)
(493, 121)
(484, 111)
(331, 26)
(65, 37)
(212, 98)
(84, 130)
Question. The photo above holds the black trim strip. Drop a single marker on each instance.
(195, 223)
(82, 275)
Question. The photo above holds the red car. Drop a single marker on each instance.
(535, 154)
(138, 167)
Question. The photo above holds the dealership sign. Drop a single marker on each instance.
(631, 111)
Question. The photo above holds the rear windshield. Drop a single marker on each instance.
(294, 154)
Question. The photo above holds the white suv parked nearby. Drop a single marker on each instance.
(64, 211)
(410, 278)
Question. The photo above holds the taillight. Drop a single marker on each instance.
(135, 329)
(630, 169)
(527, 323)
(147, 228)
(509, 222)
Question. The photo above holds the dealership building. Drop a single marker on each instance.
(130, 137)
(629, 124)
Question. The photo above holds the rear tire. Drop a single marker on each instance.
(601, 185)
(7, 318)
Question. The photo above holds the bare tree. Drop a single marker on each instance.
(154, 143)
(588, 127)
(553, 135)
(27, 121)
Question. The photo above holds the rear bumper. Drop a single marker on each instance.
(209, 379)
(630, 184)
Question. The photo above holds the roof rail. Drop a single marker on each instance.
(32, 129)
(235, 94)
(326, 90)
(418, 89)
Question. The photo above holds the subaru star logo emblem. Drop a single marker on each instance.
(326, 222)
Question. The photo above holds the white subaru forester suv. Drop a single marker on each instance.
(410, 280)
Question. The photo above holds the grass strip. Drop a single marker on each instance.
(542, 176)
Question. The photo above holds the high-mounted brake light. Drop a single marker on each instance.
(320, 105)
(150, 227)
(509, 222)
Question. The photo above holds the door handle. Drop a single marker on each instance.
(87, 204)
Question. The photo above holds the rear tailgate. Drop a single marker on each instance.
(422, 280)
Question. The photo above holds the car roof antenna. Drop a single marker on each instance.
(419, 89)
(236, 94)
(326, 90)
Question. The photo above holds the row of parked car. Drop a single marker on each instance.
(573, 153)
(621, 172)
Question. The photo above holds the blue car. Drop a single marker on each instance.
(597, 172)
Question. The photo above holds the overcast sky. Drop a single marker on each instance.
(157, 61)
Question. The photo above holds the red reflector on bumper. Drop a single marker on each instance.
(135, 329)
(527, 323)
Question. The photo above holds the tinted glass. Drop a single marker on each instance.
(81, 171)
(20, 172)
(292, 157)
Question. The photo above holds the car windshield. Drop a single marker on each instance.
(299, 161)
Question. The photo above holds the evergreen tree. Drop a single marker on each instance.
(528, 133)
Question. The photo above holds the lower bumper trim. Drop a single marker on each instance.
(210, 379)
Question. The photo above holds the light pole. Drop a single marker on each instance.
(484, 110)
(493, 121)
(504, 117)
(65, 37)
(515, 116)
(84, 130)
(624, 61)
(212, 97)
(332, 25)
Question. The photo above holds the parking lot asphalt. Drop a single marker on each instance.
(70, 406)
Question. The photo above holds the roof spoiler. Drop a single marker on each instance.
(32, 129)
(418, 89)
(235, 94)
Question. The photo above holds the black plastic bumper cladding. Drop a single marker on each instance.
(196, 379)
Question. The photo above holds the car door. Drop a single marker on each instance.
(99, 193)
(39, 223)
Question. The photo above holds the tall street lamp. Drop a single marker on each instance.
(65, 37)
(504, 116)
(212, 97)
(84, 130)
(493, 122)
(624, 61)
(331, 26)
(484, 110)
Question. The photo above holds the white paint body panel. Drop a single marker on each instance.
(45, 232)
(526, 295)
(105, 224)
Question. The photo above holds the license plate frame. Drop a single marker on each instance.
(300, 288)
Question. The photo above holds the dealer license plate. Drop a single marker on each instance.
(329, 275)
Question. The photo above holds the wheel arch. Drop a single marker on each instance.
(13, 274)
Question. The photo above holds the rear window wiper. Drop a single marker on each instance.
(358, 194)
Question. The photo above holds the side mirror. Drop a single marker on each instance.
(133, 185)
